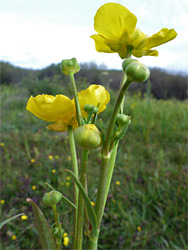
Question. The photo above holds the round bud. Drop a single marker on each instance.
(88, 136)
(88, 108)
(69, 66)
(122, 119)
(52, 198)
(135, 70)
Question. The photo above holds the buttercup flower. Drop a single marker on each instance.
(50, 157)
(117, 33)
(13, 237)
(61, 110)
(65, 241)
(94, 95)
(24, 217)
(32, 160)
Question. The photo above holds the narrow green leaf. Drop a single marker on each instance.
(46, 237)
(9, 219)
(90, 210)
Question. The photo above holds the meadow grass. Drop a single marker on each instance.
(147, 201)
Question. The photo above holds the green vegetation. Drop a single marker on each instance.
(165, 85)
(147, 202)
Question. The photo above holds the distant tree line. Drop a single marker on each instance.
(164, 84)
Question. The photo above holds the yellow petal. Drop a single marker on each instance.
(94, 95)
(137, 39)
(59, 126)
(143, 52)
(50, 108)
(113, 19)
(101, 44)
(123, 52)
(163, 36)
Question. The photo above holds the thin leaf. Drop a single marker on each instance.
(90, 210)
(9, 219)
(46, 237)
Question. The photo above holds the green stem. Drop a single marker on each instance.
(92, 244)
(111, 169)
(80, 220)
(108, 160)
(123, 79)
(110, 130)
(75, 171)
(100, 203)
(78, 111)
(56, 220)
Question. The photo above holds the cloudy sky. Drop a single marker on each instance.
(36, 33)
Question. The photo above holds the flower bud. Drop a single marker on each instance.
(69, 66)
(122, 119)
(135, 70)
(52, 198)
(88, 108)
(88, 136)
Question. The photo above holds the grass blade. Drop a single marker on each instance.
(9, 219)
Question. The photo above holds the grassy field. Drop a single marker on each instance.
(146, 208)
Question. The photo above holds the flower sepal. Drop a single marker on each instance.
(135, 70)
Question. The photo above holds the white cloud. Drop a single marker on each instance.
(45, 32)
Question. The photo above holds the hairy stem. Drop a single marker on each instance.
(80, 218)
(75, 171)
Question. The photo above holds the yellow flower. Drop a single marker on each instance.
(57, 156)
(67, 184)
(117, 33)
(61, 110)
(53, 171)
(34, 187)
(118, 183)
(24, 217)
(13, 237)
(68, 178)
(94, 95)
(2, 201)
(65, 234)
(32, 160)
(50, 157)
(139, 228)
(92, 203)
(69, 158)
(2, 144)
(65, 241)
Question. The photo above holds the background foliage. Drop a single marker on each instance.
(148, 210)
(164, 84)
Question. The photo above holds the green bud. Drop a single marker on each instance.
(69, 66)
(88, 108)
(52, 198)
(135, 70)
(88, 136)
(122, 119)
